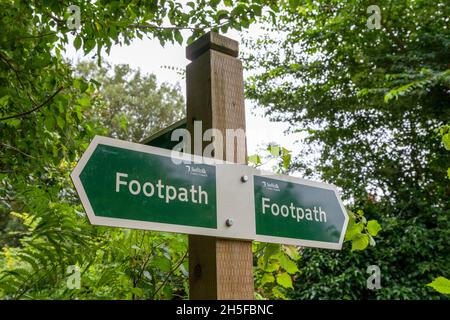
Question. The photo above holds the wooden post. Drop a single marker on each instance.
(218, 268)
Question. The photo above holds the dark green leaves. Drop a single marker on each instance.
(369, 103)
(178, 37)
(77, 42)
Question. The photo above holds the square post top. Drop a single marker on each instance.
(212, 41)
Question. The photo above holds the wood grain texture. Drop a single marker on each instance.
(218, 268)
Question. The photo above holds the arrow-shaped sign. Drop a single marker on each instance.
(131, 185)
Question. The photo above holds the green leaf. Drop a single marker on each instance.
(84, 101)
(441, 285)
(60, 122)
(277, 293)
(178, 37)
(239, 9)
(360, 242)
(88, 46)
(49, 123)
(214, 3)
(221, 14)
(288, 265)
(270, 250)
(274, 150)
(267, 278)
(286, 161)
(14, 122)
(138, 292)
(446, 141)
(161, 263)
(373, 227)
(294, 3)
(353, 229)
(257, 9)
(96, 83)
(77, 42)
(292, 252)
(80, 84)
(284, 280)
(272, 267)
(255, 159)
(4, 101)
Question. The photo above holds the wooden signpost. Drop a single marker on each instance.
(222, 206)
(219, 269)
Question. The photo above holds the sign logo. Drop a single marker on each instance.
(196, 171)
(270, 186)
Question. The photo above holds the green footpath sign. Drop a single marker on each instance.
(299, 212)
(131, 185)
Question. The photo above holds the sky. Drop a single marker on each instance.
(149, 56)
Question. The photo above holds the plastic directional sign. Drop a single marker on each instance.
(131, 185)
(300, 212)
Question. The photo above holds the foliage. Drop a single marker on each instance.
(277, 158)
(276, 265)
(369, 102)
(48, 115)
(444, 131)
(440, 284)
(360, 231)
(136, 106)
(114, 264)
(46, 119)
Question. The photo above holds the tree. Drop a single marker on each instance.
(136, 106)
(370, 100)
(48, 115)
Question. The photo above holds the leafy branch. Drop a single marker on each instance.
(360, 231)
(22, 114)
(170, 274)
(18, 150)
